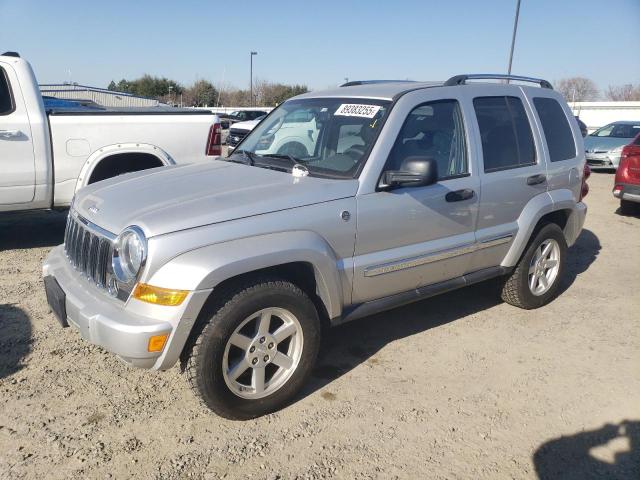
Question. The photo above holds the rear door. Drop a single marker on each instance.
(17, 160)
(512, 170)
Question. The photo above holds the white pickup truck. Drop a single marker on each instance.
(48, 153)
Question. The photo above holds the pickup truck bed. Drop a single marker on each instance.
(48, 152)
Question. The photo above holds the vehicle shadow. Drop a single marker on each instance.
(32, 229)
(15, 339)
(347, 346)
(611, 452)
(581, 255)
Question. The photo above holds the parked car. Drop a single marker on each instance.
(627, 182)
(583, 126)
(239, 130)
(405, 191)
(604, 146)
(244, 115)
(48, 151)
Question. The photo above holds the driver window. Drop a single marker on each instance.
(435, 130)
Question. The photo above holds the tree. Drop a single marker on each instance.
(112, 86)
(577, 89)
(626, 92)
(201, 94)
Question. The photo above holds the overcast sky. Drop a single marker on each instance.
(320, 43)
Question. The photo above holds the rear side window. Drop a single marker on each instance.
(556, 129)
(507, 141)
(6, 102)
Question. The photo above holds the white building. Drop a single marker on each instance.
(598, 114)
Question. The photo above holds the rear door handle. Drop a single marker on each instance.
(536, 179)
(10, 133)
(459, 195)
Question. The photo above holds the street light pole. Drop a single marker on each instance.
(513, 38)
(251, 77)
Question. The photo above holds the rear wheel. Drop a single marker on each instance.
(256, 351)
(536, 279)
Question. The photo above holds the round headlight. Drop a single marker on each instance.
(129, 254)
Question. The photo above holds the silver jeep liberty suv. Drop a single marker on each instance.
(339, 204)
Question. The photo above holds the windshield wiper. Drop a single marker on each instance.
(297, 168)
(246, 154)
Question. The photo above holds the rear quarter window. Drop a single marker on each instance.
(557, 130)
(6, 99)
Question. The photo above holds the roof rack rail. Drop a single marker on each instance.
(369, 82)
(11, 54)
(462, 79)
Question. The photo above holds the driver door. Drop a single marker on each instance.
(17, 160)
(410, 237)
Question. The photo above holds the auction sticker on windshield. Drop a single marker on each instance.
(357, 110)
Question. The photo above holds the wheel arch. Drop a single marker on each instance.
(557, 207)
(302, 257)
(108, 152)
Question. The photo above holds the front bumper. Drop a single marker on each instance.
(603, 161)
(627, 192)
(123, 328)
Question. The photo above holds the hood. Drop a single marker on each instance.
(246, 125)
(168, 199)
(604, 144)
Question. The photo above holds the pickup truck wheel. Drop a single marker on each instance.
(536, 279)
(256, 351)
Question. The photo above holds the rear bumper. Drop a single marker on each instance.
(628, 192)
(575, 223)
(123, 329)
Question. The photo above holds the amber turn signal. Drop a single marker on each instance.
(158, 295)
(157, 342)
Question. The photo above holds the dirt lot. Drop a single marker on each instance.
(460, 386)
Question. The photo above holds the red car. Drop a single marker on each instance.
(627, 184)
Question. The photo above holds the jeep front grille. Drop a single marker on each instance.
(88, 248)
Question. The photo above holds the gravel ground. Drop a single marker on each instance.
(459, 386)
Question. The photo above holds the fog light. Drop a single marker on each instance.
(157, 342)
(158, 295)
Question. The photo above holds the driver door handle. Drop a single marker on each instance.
(536, 179)
(459, 195)
(10, 133)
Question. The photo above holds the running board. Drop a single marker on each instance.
(392, 301)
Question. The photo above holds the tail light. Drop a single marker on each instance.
(584, 189)
(214, 142)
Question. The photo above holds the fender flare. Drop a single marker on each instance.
(534, 210)
(538, 207)
(206, 267)
(108, 150)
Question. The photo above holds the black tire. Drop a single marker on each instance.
(627, 207)
(203, 357)
(515, 290)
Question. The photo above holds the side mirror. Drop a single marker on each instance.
(414, 172)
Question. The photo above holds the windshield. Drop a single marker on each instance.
(618, 130)
(328, 136)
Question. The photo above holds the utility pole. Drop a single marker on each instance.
(513, 38)
(251, 77)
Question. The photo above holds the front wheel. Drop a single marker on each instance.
(536, 279)
(256, 351)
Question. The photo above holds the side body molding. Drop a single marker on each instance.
(206, 267)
